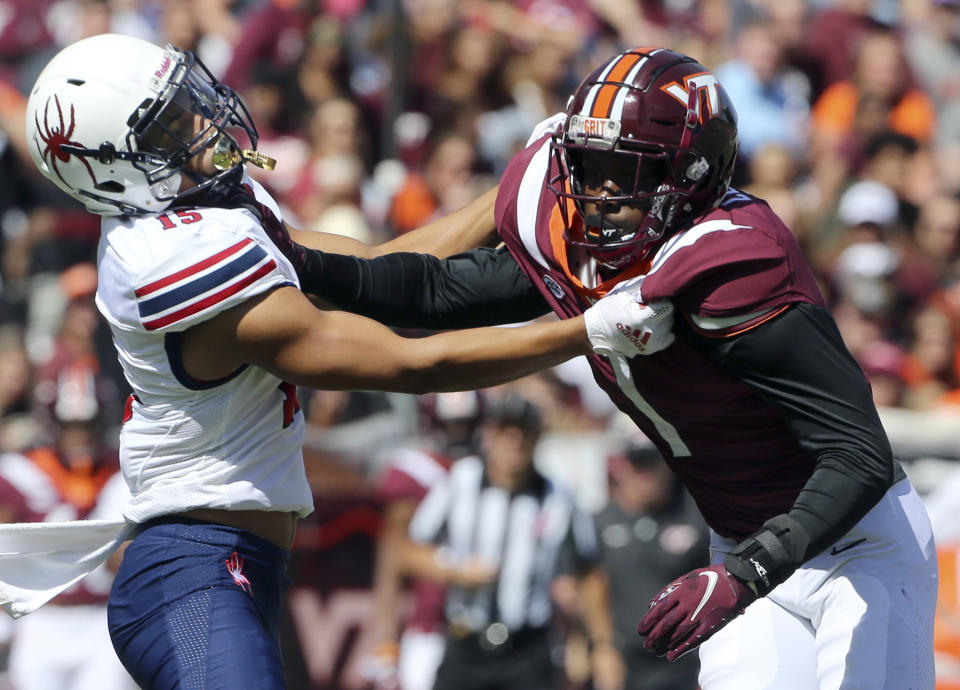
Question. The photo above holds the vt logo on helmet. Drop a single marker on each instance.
(699, 89)
(648, 144)
(127, 127)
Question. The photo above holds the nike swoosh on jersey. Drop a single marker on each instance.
(846, 547)
(711, 584)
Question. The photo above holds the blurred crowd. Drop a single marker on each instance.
(385, 114)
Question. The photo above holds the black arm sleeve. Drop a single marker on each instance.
(482, 287)
(798, 363)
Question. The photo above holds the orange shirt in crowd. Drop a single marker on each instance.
(413, 205)
(913, 115)
(946, 631)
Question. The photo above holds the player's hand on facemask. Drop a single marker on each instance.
(691, 609)
(620, 324)
(550, 125)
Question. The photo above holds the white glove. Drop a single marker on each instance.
(619, 324)
(551, 125)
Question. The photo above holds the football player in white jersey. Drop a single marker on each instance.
(213, 335)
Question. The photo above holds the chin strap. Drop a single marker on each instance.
(769, 556)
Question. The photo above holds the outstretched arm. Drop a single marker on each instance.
(466, 228)
(483, 287)
(283, 333)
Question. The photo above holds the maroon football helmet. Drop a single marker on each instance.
(651, 132)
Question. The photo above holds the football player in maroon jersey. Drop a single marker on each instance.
(823, 569)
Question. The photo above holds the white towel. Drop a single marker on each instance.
(38, 560)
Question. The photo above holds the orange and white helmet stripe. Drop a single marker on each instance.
(607, 96)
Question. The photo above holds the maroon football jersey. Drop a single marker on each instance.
(733, 452)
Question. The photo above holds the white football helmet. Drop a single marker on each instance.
(112, 120)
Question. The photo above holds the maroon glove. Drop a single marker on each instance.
(689, 610)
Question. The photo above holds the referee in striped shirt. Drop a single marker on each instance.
(493, 530)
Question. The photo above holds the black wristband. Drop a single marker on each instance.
(769, 556)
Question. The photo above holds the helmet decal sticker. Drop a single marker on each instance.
(54, 137)
(706, 86)
(607, 89)
(604, 129)
(159, 78)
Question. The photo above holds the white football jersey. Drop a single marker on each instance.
(233, 443)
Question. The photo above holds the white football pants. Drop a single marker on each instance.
(860, 619)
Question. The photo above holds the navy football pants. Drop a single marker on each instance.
(196, 605)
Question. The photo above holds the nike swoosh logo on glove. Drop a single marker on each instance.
(712, 577)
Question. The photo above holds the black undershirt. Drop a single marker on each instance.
(797, 363)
